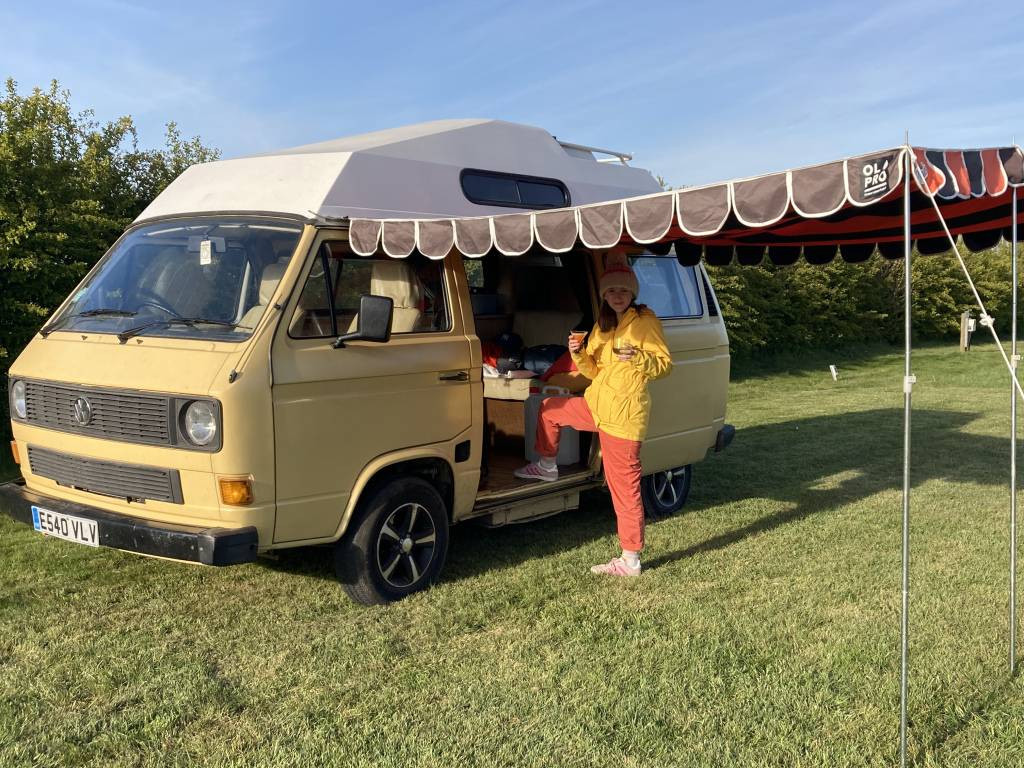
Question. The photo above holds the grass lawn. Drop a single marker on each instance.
(764, 632)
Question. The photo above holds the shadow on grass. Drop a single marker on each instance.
(983, 706)
(8, 470)
(821, 463)
(815, 465)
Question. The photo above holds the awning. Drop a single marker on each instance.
(849, 207)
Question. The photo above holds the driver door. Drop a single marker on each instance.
(336, 410)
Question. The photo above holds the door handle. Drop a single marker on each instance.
(454, 376)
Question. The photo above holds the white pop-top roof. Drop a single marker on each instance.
(403, 173)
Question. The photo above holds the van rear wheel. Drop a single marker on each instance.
(397, 544)
(664, 493)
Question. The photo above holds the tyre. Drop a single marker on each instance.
(664, 493)
(396, 545)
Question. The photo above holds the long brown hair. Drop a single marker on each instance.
(607, 320)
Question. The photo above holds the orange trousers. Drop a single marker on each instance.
(621, 459)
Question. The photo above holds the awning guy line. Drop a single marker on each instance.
(986, 319)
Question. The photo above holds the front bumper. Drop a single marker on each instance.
(209, 546)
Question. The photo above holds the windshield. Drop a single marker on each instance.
(198, 279)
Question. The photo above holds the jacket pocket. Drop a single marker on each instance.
(637, 409)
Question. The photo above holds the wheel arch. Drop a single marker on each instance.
(431, 466)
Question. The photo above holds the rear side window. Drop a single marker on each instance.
(667, 287)
(542, 194)
(511, 191)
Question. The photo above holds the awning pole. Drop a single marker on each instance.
(1015, 358)
(908, 382)
(1011, 365)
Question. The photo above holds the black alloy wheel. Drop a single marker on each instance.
(664, 493)
(406, 545)
(395, 545)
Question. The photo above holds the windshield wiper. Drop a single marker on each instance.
(190, 321)
(47, 330)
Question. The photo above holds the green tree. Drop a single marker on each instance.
(68, 187)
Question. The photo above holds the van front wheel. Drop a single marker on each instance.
(396, 545)
(664, 493)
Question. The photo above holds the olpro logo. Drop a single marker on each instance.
(876, 177)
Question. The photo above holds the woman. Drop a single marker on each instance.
(625, 350)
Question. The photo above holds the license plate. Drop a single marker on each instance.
(68, 527)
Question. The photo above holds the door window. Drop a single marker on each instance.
(329, 301)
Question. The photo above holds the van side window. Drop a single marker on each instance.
(667, 287)
(512, 191)
(313, 314)
(329, 302)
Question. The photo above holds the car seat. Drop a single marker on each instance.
(395, 280)
(269, 280)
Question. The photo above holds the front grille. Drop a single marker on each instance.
(109, 478)
(127, 416)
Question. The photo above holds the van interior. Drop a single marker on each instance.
(539, 297)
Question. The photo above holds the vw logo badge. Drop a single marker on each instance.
(83, 412)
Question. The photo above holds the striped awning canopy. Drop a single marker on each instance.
(848, 208)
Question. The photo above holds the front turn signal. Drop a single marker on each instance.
(236, 491)
(14, 450)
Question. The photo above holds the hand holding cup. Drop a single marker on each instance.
(624, 352)
(576, 340)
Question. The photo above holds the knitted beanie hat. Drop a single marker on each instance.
(618, 274)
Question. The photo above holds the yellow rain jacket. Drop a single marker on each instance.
(618, 396)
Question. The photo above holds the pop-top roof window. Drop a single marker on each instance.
(511, 191)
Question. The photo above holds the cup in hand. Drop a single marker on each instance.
(622, 349)
(576, 340)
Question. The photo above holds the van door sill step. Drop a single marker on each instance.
(502, 498)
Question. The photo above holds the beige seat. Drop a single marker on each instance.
(546, 308)
(269, 280)
(395, 280)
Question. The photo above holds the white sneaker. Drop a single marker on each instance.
(617, 566)
(534, 471)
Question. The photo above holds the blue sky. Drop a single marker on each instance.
(698, 91)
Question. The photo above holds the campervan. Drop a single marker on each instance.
(231, 378)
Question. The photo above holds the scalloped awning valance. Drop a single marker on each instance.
(848, 207)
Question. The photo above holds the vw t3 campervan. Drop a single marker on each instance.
(233, 378)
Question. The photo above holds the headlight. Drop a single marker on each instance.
(18, 399)
(201, 422)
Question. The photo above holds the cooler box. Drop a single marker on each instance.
(507, 388)
(568, 445)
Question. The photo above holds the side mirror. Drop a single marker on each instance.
(373, 323)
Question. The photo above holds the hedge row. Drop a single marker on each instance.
(769, 309)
